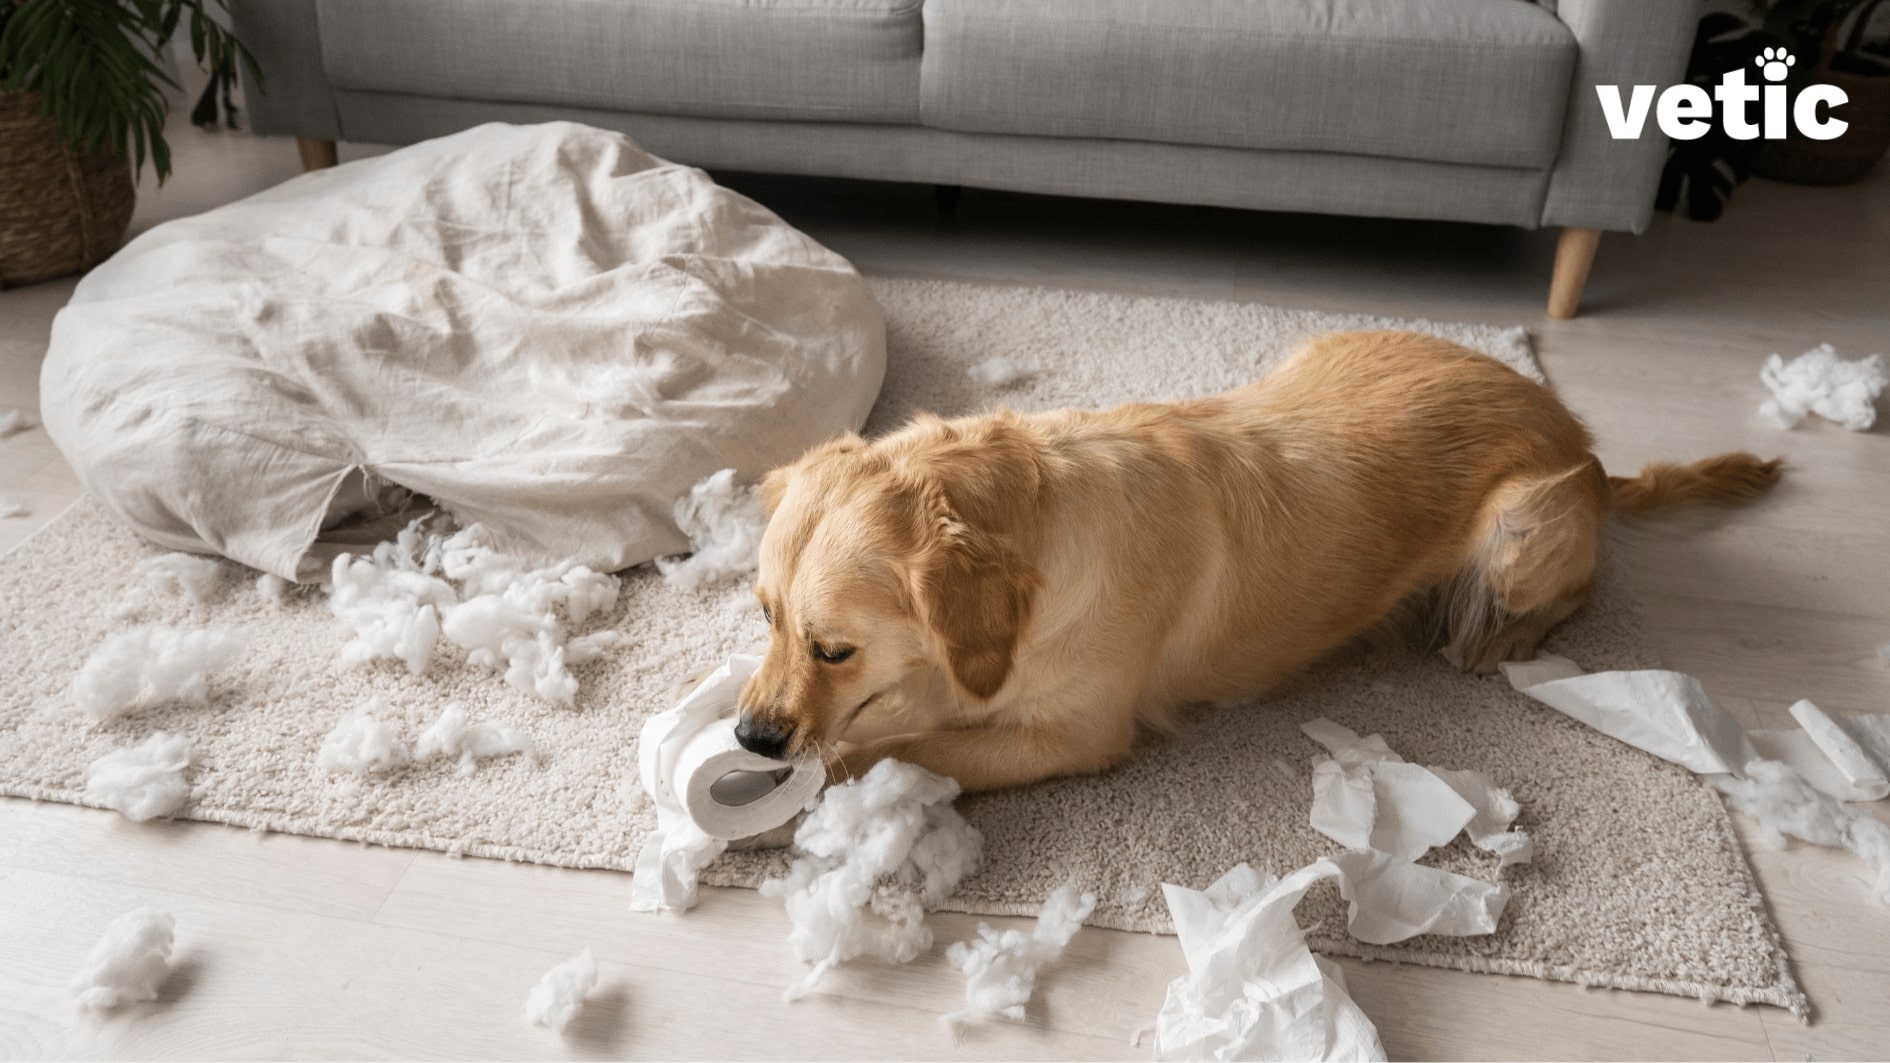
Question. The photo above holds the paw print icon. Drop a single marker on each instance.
(1774, 63)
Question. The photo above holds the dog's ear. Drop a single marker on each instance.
(978, 499)
(976, 594)
(774, 484)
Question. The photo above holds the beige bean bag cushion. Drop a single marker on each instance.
(543, 328)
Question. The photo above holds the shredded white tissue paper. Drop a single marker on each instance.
(1820, 382)
(724, 523)
(1847, 757)
(400, 600)
(12, 506)
(559, 995)
(452, 736)
(1395, 900)
(12, 421)
(1665, 713)
(148, 666)
(1783, 802)
(1000, 967)
(129, 962)
(1367, 797)
(362, 744)
(1253, 989)
(143, 782)
(873, 857)
(999, 372)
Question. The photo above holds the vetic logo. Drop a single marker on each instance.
(1685, 112)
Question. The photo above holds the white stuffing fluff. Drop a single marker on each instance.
(129, 962)
(148, 666)
(143, 782)
(559, 995)
(1820, 382)
(1784, 803)
(12, 506)
(13, 421)
(999, 373)
(401, 600)
(199, 579)
(889, 843)
(1001, 968)
(272, 588)
(362, 744)
(724, 523)
(724, 526)
(452, 736)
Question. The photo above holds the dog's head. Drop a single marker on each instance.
(887, 568)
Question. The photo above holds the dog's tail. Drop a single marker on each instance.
(1723, 481)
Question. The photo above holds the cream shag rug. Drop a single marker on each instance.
(1638, 880)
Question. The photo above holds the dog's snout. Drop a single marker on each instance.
(766, 738)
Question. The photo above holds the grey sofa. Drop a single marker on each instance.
(1468, 110)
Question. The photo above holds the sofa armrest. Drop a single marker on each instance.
(1599, 182)
(285, 37)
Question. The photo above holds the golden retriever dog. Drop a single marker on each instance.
(1008, 598)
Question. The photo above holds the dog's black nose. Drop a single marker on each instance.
(761, 737)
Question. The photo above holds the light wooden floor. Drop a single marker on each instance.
(306, 948)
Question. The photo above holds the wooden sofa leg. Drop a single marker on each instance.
(1574, 253)
(316, 154)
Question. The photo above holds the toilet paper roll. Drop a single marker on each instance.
(691, 765)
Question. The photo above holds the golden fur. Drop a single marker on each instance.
(1020, 594)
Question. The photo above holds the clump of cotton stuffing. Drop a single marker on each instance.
(361, 743)
(401, 600)
(143, 782)
(999, 373)
(129, 962)
(451, 736)
(874, 856)
(1785, 803)
(148, 666)
(724, 523)
(559, 995)
(1000, 968)
(272, 588)
(1820, 382)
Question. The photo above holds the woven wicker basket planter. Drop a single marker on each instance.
(61, 211)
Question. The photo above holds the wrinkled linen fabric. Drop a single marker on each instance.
(545, 329)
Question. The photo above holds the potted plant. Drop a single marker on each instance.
(1832, 31)
(82, 107)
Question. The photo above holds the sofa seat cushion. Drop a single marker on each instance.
(820, 60)
(1465, 81)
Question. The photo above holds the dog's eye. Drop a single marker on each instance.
(767, 615)
(822, 653)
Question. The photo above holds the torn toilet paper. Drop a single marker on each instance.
(1367, 797)
(1253, 989)
(708, 790)
(1665, 713)
(1847, 757)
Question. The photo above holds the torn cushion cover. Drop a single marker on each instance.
(543, 328)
